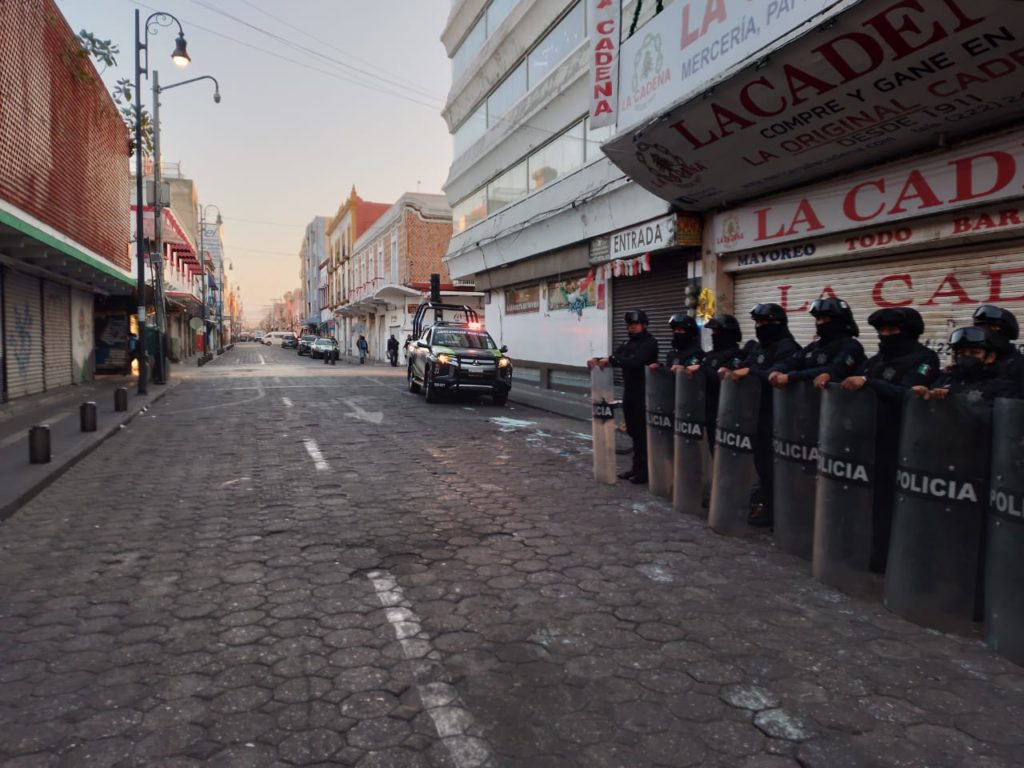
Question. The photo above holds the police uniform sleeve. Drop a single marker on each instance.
(844, 360)
(789, 363)
(921, 373)
(634, 356)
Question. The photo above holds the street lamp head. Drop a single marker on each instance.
(180, 55)
(219, 219)
(216, 96)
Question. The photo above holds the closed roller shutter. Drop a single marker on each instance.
(660, 293)
(56, 334)
(944, 286)
(23, 334)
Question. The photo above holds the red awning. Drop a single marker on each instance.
(171, 233)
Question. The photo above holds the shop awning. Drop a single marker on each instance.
(753, 101)
(174, 238)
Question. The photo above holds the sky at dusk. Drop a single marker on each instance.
(317, 95)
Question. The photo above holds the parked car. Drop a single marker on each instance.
(306, 343)
(291, 341)
(323, 348)
(257, 337)
(456, 356)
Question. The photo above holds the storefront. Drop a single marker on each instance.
(654, 266)
(940, 233)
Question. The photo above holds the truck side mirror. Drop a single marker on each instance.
(423, 344)
(504, 348)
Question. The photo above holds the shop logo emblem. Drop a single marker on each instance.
(732, 232)
(666, 166)
(648, 60)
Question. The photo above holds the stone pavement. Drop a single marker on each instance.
(318, 568)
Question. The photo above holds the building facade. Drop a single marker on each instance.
(66, 277)
(388, 273)
(866, 150)
(312, 255)
(559, 239)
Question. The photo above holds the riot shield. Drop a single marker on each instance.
(733, 472)
(845, 490)
(1004, 565)
(602, 394)
(932, 574)
(795, 458)
(660, 398)
(690, 443)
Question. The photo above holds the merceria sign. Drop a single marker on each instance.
(884, 80)
(973, 174)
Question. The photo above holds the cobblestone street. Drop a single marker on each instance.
(285, 563)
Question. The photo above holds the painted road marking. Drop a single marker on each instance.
(439, 699)
(287, 402)
(23, 435)
(357, 412)
(262, 361)
(314, 453)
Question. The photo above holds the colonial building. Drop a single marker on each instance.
(312, 258)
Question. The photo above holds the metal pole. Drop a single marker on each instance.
(202, 262)
(139, 204)
(158, 246)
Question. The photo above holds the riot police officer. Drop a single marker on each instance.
(1003, 324)
(633, 356)
(902, 362)
(686, 349)
(725, 353)
(774, 344)
(975, 368)
(832, 356)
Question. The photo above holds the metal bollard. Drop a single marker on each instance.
(120, 399)
(39, 444)
(87, 416)
(334, 357)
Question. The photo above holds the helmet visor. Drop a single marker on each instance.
(830, 307)
(969, 335)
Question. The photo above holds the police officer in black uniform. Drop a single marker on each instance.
(975, 370)
(686, 349)
(725, 353)
(832, 356)
(633, 356)
(1003, 324)
(774, 344)
(902, 363)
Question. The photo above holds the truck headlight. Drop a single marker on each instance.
(504, 362)
(443, 359)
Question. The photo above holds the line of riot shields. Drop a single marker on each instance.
(935, 522)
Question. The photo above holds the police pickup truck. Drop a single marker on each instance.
(455, 355)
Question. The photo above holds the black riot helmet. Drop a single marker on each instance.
(636, 316)
(837, 309)
(771, 312)
(726, 324)
(973, 336)
(990, 314)
(908, 320)
(683, 321)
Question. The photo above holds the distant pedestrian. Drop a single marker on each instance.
(364, 348)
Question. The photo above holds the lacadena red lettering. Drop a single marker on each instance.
(881, 301)
(850, 201)
(955, 290)
(915, 188)
(784, 300)
(995, 285)
(714, 10)
(1006, 167)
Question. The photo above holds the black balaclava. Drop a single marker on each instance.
(972, 368)
(834, 329)
(896, 345)
(682, 341)
(771, 332)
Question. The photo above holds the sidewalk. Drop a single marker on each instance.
(59, 408)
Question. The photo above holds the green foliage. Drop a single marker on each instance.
(105, 52)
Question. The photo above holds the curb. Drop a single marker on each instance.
(10, 508)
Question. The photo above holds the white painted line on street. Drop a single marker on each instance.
(23, 435)
(287, 402)
(262, 361)
(357, 412)
(439, 699)
(260, 394)
(314, 453)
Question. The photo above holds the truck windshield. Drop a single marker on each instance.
(464, 339)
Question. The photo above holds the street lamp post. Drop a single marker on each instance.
(181, 58)
(157, 203)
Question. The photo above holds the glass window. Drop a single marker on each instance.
(595, 138)
(468, 47)
(472, 129)
(507, 188)
(556, 45)
(463, 339)
(511, 90)
(561, 156)
(496, 13)
(471, 210)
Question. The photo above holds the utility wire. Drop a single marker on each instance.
(334, 47)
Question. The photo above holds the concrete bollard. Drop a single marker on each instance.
(39, 444)
(120, 399)
(87, 416)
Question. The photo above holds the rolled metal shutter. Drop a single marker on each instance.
(56, 335)
(659, 293)
(23, 334)
(944, 287)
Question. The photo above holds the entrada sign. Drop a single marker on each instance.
(650, 236)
